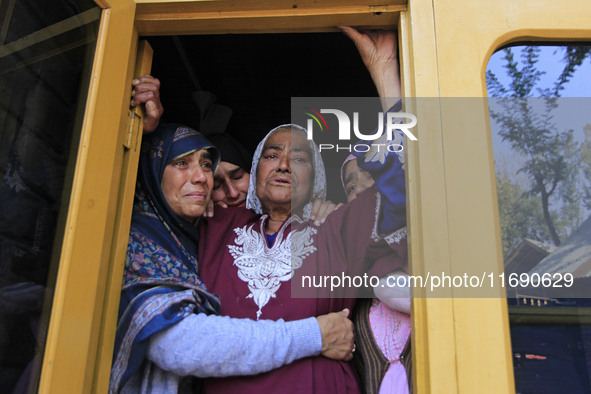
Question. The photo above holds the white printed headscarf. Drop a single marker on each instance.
(319, 187)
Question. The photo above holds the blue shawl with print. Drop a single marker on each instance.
(161, 283)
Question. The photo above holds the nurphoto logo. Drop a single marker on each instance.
(401, 121)
(345, 124)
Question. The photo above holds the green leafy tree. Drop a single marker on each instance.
(585, 160)
(550, 159)
(520, 214)
(574, 56)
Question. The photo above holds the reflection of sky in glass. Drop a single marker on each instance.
(571, 114)
(550, 61)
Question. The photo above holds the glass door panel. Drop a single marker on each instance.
(46, 51)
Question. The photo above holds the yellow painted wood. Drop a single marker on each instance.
(433, 320)
(143, 64)
(72, 340)
(103, 3)
(482, 325)
(256, 25)
(268, 16)
(261, 7)
(459, 345)
(495, 23)
(450, 43)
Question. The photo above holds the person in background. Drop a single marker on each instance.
(355, 180)
(382, 324)
(231, 179)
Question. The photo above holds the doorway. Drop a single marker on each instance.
(255, 76)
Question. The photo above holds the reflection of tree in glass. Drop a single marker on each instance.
(556, 166)
(574, 56)
(520, 217)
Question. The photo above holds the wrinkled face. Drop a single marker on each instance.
(285, 171)
(187, 183)
(230, 185)
(356, 180)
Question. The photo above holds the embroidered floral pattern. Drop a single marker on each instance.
(396, 236)
(263, 268)
(157, 148)
(374, 232)
(149, 263)
(183, 132)
(392, 238)
(382, 146)
(390, 329)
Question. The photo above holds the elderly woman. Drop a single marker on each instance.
(261, 254)
(168, 326)
(257, 256)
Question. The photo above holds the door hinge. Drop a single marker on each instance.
(134, 130)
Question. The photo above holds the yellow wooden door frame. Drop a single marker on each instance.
(87, 249)
(459, 344)
(129, 168)
(160, 17)
(463, 345)
(84, 312)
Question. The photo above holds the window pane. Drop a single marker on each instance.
(541, 129)
(46, 51)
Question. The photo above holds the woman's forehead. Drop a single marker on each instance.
(287, 137)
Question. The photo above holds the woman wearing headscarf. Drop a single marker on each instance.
(262, 255)
(233, 174)
(168, 325)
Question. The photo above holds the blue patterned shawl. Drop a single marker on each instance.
(161, 283)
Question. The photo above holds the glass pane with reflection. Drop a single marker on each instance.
(539, 101)
(46, 53)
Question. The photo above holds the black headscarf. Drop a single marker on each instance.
(231, 150)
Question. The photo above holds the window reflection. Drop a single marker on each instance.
(539, 100)
(46, 50)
